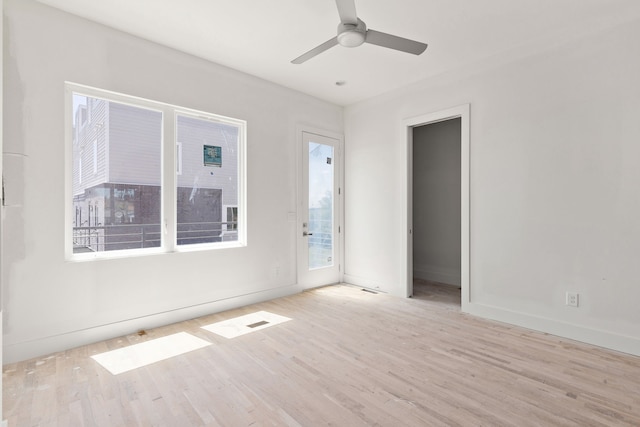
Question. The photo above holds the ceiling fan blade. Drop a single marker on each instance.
(347, 11)
(316, 51)
(395, 42)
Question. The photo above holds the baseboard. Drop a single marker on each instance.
(27, 350)
(434, 274)
(609, 340)
(362, 282)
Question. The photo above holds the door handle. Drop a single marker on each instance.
(304, 233)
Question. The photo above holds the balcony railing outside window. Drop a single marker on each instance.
(138, 236)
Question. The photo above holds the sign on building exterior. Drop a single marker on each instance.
(212, 155)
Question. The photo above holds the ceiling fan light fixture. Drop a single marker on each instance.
(352, 35)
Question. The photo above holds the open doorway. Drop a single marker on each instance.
(437, 211)
(454, 273)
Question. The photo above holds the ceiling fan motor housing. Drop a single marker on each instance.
(352, 35)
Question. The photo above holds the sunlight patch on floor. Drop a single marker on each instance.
(139, 355)
(237, 326)
(344, 290)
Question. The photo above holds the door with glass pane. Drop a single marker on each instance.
(318, 227)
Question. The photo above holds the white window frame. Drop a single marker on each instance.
(168, 175)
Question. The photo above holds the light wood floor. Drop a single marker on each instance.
(348, 358)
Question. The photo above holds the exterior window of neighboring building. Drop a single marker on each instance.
(231, 218)
(179, 158)
(126, 196)
(82, 115)
(80, 167)
(95, 156)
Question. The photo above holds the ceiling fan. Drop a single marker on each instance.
(353, 32)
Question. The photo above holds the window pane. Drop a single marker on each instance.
(116, 200)
(208, 181)
(320, 205)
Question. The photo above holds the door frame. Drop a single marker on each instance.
(462, 112)
(2, 201)
(339, 244)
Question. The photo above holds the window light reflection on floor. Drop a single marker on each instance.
(241, 325)
(143, 354)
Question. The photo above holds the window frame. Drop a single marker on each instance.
(169, 173)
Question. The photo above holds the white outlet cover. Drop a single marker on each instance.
(572, 299)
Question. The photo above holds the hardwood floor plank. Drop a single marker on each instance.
(347, 357)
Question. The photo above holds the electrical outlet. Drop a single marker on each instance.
(572, 299)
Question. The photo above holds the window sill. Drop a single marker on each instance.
(134, 253)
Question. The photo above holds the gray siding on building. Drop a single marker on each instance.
(90, 129)
(129, 149)
(134, 145)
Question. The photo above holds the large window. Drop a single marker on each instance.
(162, 178)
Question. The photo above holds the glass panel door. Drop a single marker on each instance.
(319, 249)
(320, 226)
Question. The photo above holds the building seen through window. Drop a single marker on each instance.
(117, 177)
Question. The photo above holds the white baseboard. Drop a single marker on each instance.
(437, 274)
(609, 340)
(363, 282)
(605, 339)
(47, 345)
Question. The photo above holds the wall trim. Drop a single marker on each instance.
(363, 282)
(43, 346)
(605, 339)
(405, 286)
(447, 276)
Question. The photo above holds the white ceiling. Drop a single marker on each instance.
(261, 37)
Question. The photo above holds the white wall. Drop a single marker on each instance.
(52, 304)
(437, 202)
(553, 185)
